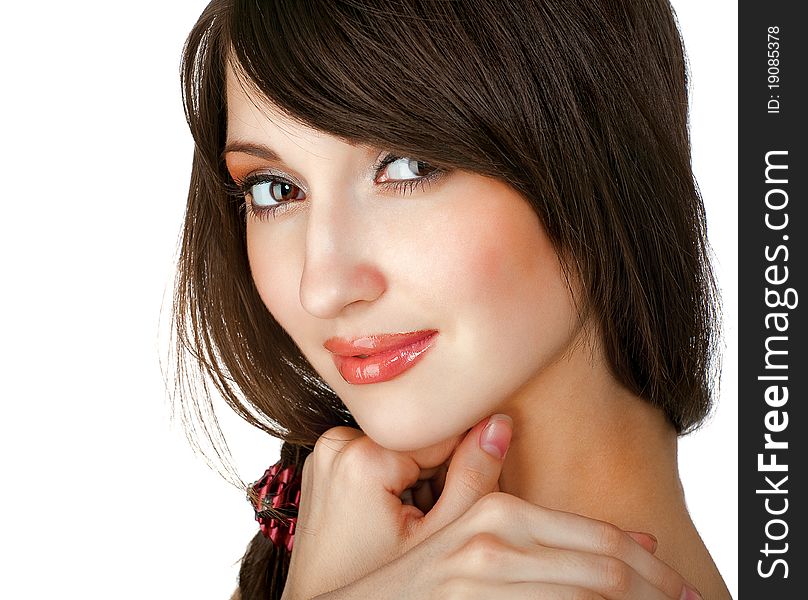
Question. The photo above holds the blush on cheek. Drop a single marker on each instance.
(489, 260)
(513, 247)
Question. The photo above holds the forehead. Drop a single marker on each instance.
(251, 117)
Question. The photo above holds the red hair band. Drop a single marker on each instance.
(275, 498)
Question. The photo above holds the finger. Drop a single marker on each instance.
(646, 540)
(399, 470)
(395, 478)
(432, 458)
(335, 439)
(328, 447)
(547, 591)
(348, 455)
(608, 576)
(473, 589)
(559, 529)
(473, 472)
(606, 539)
(529, 590)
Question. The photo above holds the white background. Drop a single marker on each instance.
(101, 495)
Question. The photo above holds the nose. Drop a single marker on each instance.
(339, 269)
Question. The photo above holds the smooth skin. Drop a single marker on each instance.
(475, 542)
(468, 256)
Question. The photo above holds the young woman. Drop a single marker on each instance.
(423, 234)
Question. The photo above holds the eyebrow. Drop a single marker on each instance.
(258, 150)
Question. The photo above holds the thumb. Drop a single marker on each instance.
(473, 471)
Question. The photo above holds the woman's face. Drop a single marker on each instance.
(348, 257)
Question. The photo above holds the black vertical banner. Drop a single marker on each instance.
(773, 222)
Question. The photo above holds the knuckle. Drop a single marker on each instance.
(333, 442)
(615, 577)
(353, 452)
(339, 434)
(482, 551)
(666, 580)
(494, 509)
(610, 540)
(356, 461)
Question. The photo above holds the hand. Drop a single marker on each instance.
(351, 518)
(475, 541)
(505, 548)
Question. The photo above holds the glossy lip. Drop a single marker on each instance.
(387, 356)
(374, 344)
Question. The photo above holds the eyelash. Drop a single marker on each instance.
(241, 189)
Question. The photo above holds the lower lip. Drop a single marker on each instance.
(385, 365)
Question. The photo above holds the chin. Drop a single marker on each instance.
(414, 430)
(399, 439)
(400, 436)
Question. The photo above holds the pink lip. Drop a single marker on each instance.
(388, 355)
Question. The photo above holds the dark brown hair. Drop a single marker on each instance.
(580, 105)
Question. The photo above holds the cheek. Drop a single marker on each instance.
(499, 253)
(275, 266)
(502, 282)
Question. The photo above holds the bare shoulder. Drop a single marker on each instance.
(236, 595)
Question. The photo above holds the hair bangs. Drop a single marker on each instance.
(353, 71)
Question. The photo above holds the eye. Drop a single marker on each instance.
(268, 194)
(403, 168)
(265, 191)
(404, 174)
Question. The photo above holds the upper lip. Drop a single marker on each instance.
(375, 343)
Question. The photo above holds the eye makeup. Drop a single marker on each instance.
(269, 192)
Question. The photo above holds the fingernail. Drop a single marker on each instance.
(496, 436)
(638, 536)
(688, 593)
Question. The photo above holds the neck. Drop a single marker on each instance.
(585, 444)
